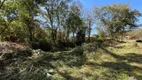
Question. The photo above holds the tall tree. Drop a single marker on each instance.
(61, 15)
(74, 21)
(27, 12)
(55, 15)
(116, 18)
(90, 20)
(7, 16)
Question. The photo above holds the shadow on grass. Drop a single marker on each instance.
(45, 61)
(133, 57)
(68, 58)
(120, 66)
(130, 57)
(67, 76)
(124, 66)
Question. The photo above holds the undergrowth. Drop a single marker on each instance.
(87, 62)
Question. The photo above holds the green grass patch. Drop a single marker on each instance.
(107, 63)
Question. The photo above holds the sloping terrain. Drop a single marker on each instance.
(135, 34)
(6, 47)
(121, 62)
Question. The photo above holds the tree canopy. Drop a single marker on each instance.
(116, 18)
(57, 21)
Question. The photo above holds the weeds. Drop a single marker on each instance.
(76, 64)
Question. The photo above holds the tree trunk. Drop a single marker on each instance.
(31, 35)
(67, 35)
(89, 34)
(60, 34)
(50, 14)
(52, 34)
(73, 37)
(89, 31)
(2, 4)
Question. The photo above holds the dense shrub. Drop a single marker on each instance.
(63, 44)
(43, 45)
(34, 45)
(78, 50)
(23, 53)
(91, 47)
(70, 44)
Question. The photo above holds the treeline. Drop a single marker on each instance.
(61, 23)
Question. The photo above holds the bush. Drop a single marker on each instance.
(91, 47)
(43, 45)
(35, 45)
(63, 44)
(23, 53)
(78, 50)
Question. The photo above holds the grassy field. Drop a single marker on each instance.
(120, 62)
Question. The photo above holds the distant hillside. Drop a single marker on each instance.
(135, 34)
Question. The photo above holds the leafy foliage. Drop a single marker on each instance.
(116, 18)
(46, 40)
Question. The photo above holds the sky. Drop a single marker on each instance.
(88, 5)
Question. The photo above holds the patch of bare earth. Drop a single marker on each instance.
(10, 54)
(6, 47)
